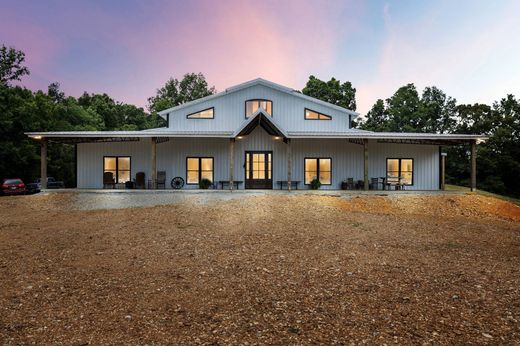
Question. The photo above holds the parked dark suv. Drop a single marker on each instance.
(13, 186)
(51, 183)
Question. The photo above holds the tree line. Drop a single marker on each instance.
(23, 110)
(432, 111)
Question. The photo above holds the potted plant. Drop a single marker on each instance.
(204, 183)
(315, 184)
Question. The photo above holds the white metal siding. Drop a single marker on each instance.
(90, 160)
(426, 162)
(288, 112)
(347, 158)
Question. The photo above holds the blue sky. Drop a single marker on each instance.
(469, 49)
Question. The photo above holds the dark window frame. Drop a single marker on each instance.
(319, 114)
(200, 168)
(203, 110)
(317, 168)
(399, 167)
(251, 163)
(117, 166)
(245, 106)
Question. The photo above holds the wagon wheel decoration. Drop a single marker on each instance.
(177, 183)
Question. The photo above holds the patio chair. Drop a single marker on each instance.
(108, 180)
(140, 180)
(374, 184)
(392, 182)
(161, 179)
(350, 184)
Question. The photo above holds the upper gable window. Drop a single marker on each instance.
(253, 105)
(312, 115)
(205, 114)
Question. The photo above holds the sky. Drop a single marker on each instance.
(128, 49)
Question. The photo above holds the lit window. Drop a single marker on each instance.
(399, 171)
(205, 114)
(318, 168)
(253, 105)
(312, 115)
(118, 167)
(198, 168)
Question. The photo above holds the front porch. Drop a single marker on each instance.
(259, 152)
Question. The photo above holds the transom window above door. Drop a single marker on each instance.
(253, 105)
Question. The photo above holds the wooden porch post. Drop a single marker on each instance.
(473, 168)
(153, 163)
(443, 171)
(365, 161)
(43, 164)
(289, 164)
(231, 163)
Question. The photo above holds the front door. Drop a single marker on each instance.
(259, 170)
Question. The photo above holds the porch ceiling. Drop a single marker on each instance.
(260, 119)
(268, 124)
(78, 140)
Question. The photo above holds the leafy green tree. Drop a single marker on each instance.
(333, 91)
(437, 111)
(377, 118)
(55, 93)
(192, 86)
(433, 112)
(403, 110)
(476, 118)
(116, 115)
(11, 65)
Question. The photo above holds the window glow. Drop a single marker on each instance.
(198, 168)
(312, 115)
(205, 114)
(253, 105)
(119, 166)
(258, 165)
(399, 171)
(318, 168)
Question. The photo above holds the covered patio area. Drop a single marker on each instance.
(382, 165)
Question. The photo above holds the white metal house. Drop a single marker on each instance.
(259, 135)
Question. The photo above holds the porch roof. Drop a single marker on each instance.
(260, 118)
(267, 123)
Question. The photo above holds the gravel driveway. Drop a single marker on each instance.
(120, 199)
(222, 268)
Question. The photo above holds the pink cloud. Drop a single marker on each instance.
(237, 42)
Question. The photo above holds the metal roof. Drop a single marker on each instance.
(383, 135)
(353, 135)
(258, 81)
(128, 134)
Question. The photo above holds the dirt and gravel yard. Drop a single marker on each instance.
(261, 269)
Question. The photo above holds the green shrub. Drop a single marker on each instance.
(315, 184)
(205, 183)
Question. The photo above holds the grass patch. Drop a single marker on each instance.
(483, 193)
